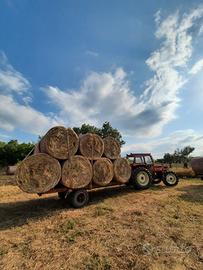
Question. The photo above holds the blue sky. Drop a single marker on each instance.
(137, 65)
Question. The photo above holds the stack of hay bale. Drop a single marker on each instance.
(73, 161)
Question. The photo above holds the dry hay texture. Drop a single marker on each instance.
(76, 172)
(60, 143)
(38, 173)
(91, 146)
(102, 171)
(112, 148)
(197, 165)
(122, 170)
(11, 170)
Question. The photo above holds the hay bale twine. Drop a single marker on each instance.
(38, 173)
(112, 148)
(91, 146)
(122, 170)
(76, 172)
(60, 143)
(102, 171)
(36, 149)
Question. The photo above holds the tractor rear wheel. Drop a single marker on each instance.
(170, 179)
(141, 178)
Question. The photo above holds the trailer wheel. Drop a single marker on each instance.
(156, 181)
(170, 179)
(142, 178)
(79, 198)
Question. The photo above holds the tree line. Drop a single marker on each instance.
(181, 156)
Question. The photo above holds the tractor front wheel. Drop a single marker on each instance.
(142, 178)
(170, 179)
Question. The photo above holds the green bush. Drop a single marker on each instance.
(13, 152)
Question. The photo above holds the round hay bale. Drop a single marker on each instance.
(197, 165)
(91, 146)
(38, 173)
(102, 171)
(10, 170)
(76, 172)
(112, 148)
(60, 143)
(122, 170)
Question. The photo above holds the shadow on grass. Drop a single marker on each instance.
(192, 193)
(18, 213)
(100, 195)
(13, 214)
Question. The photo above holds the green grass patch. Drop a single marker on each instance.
(102, 210)
(67, 226)
(95, 261)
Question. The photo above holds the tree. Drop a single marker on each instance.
(179, 156)
(85, 128)
(185, 152)
(159, 160)
(108, 130)
(12, 152)
(105, 131)
(168, 158)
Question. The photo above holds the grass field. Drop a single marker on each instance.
(160, 228)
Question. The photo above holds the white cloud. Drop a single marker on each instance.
(14, 115)
(157, 17)
(201, 30)
(108, 96)
(177, 139)
(92, 53)
(100, 97)
(4, 137)
(196, 67)
(11, 79)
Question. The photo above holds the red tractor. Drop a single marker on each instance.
(145, 172)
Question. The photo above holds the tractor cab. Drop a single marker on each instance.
(140, 159)
(146, 160)
(145, 171)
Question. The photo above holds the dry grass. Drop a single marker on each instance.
(7, 179)
(160, 228)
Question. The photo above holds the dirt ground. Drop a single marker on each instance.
(160, 228)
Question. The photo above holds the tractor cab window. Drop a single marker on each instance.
(131, 160)
(148, 160)
(139, 160)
